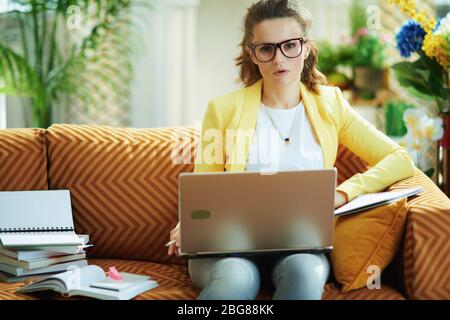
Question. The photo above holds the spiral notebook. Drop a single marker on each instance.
(36, 218)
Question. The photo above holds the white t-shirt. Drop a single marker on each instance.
(269, 152)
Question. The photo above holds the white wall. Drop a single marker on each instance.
(163, 87)
(16, 113)
(147, 84)
(2, 112)
(219, 34)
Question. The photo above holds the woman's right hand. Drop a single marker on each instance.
(175, 235)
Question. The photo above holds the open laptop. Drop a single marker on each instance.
(249, 213)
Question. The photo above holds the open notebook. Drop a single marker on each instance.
(372, 200)
(91, 281)
(36, 218)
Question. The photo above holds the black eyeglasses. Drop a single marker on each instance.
(291, 48)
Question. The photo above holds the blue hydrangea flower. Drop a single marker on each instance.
(410, 38)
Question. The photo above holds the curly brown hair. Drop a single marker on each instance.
(272, 9)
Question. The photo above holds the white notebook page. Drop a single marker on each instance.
(40, 217)
(36, 209)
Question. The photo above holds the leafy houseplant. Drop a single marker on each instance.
(367, 53)
(330, 58)
(369, 49)
(54, 62)
(368, 62)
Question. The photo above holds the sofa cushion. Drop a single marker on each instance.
(366, 239)
(174, 283)
(123, 184)
(23, 158)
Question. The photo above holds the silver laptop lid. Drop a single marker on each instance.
(245, 212)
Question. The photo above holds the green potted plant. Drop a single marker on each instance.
(330, 58)
(366, 54)
(369, 71)
(47, 68)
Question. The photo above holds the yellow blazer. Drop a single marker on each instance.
(334, 122)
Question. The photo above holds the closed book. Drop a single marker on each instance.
(45, 252)
(53, 268)
(39, 263)
(9, 278)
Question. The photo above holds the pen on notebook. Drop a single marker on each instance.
(170, 242)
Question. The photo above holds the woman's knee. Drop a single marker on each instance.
(200, 270)
(303, 267)
(232, 278)
(237, 272)
(300, 277)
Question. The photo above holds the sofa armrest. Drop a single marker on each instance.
(426, 248)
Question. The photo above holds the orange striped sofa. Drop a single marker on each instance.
(123, 184)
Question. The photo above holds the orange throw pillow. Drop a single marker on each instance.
(364, 239)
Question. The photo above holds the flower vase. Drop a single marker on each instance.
(443, 157)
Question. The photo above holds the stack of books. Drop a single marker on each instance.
(30, 262)
(37, 234)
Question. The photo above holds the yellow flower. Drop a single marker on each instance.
(436, 46)
(412, 122)
(426, 22)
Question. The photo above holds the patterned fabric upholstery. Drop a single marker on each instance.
(23, 159)
(123, 184)
(426, 260)
(174, 283)
(348, 164)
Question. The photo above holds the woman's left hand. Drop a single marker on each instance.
(340, 199)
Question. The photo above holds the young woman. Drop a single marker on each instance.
(285, 93)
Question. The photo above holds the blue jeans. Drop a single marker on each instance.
(294, 277)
